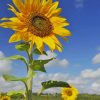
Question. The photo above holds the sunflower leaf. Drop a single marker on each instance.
(42, 61)
(22, 46)
(13, 78)
(38, 65)
(17, 93)
(52, 84)
(36, 51)
(15, 57)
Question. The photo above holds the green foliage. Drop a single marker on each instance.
(15, 93)
(36, 51)
(16, 57)
(52, 84)
(13, 78)
(38, 65)
(22, 46)
(58, 97)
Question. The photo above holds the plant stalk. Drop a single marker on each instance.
(30, 76)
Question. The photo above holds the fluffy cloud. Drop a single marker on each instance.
(84, 84)
(9, 86)
(96, 87)
(55, 62)
(87, 81)
(96, 59)
(5, 65)
(90, 73)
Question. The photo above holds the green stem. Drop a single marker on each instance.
(30, 76)
(30, 83)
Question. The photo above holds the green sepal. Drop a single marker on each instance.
(22, 46)
(52, 84)
(13, 78)
(36, 51)
(38, 65)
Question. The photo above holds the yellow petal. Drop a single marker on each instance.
(55, 12)
(50, 42)
(15, 38)
(36, 5)
(58, 19)
(41, 48)
(38, 42)
(13, 19)
(28, 4)
(46, 5)
(19, 4)
(56, 40)
(62, 32)
(53, 7)
(59, 48)
(12, 25)
(59, 22)
(19, 15)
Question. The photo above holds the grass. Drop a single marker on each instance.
(58, 97)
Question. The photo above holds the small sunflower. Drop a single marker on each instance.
(5, 98)
(69, 93)
(37, 22)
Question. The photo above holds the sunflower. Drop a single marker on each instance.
(69, 93)
(5, 98)
(37, 22)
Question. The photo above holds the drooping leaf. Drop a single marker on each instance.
(36, 51)
(13, 78)
(15, 57)
(52, 84)
(22, 46)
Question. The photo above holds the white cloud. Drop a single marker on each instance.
(90, 73)
(58, 63)
(55, 62)
(85, 84)
(86, 81)
(9, 86)
(5, 65)
(96, 59)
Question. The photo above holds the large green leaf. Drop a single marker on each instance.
(38, 65)
(13, 78)
(15, 57)
(42, 61)
(52, 84)
(17, 93)
(22, 46)
(36, 51)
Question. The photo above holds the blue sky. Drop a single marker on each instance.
(81, 47)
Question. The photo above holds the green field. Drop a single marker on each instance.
(49, 97)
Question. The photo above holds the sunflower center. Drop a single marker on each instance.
(39, 25)
(39, 22)
(69, 93)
